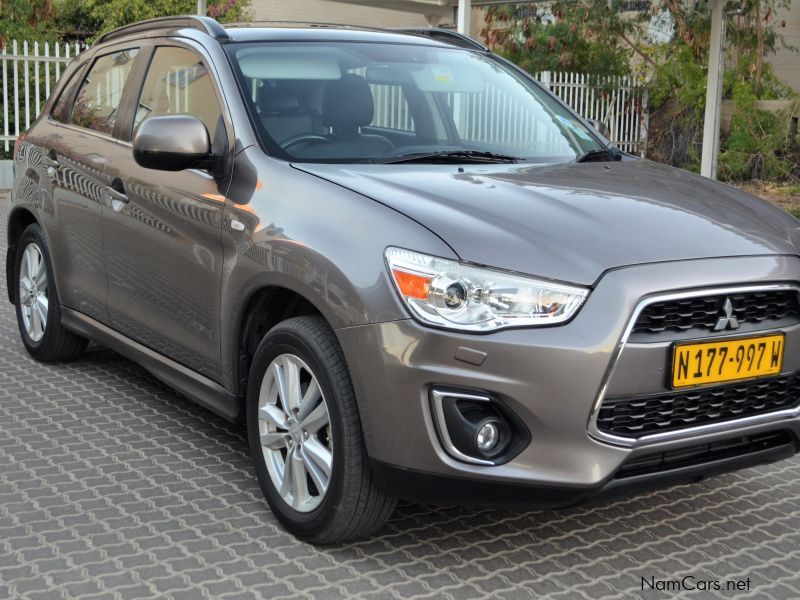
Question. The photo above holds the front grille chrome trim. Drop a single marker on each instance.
(688, 432)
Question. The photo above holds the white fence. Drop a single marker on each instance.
(617, 102)
(30, 71)
(614, 101)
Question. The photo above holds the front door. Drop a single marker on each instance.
(162, 233)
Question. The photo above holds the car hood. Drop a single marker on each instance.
(571, 222)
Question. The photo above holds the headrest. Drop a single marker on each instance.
(347, 104)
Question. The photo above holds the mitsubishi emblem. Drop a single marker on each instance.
(729, 320)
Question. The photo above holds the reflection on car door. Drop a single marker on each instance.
(162, 236)
(79, 140)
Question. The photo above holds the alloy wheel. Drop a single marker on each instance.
(295, 433)
(33, 292)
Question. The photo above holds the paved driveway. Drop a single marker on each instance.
(113, 486)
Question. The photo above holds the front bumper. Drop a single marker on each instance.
(428, 488)
(552, 379)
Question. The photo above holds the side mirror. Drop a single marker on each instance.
(172, 143)
(599, 127)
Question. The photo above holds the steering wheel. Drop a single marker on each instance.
(303, 138)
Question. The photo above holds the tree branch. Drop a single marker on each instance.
(638, 50)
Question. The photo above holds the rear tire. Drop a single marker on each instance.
(38, 308)
(311, 433)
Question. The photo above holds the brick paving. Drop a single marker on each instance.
(114, 486)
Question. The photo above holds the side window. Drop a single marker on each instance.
(98, 100)
(62, 106)
(178, 83)
(391, 108)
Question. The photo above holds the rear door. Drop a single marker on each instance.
(163, 233)
(78, 141)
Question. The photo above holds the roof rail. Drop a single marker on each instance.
(205, 24)
(448, 36)
(307, 23)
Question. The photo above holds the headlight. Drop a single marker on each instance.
(450, 294)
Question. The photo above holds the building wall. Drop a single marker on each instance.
(334, 12)
(787, 63)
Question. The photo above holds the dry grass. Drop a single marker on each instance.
(786, 197)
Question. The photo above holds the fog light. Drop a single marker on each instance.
(475, 428)
(487, 435)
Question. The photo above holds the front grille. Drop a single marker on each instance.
(700, 313)
(705, 453)
(644, 415)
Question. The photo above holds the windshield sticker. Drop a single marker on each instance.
(442, 73)
(574, 127)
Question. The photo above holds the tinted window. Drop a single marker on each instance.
(178, 83)
(101, 92)
(62, 106)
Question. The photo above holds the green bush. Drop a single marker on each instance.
(87, 18)
(757, 146)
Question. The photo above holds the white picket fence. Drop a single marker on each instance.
(30, 71)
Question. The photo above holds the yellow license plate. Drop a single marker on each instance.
(731, 360)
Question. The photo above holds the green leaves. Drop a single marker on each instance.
(47, 20)
(565, 36)
(109, 14)
(758, 146)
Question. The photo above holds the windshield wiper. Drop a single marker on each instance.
(453, 157)
(606, 154)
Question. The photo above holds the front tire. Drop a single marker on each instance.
(305, 436)
(38, 309)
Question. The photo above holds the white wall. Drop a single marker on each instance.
(787, 63)
(333, 12)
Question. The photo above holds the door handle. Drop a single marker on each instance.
(115, 195)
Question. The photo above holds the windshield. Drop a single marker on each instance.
(372, 102)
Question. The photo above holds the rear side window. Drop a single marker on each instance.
(97, 103)
(62, 106)
(178, 83)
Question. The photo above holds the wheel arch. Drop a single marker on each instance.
(265, 307)
(18, 220)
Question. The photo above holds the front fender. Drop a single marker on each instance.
(293, 230)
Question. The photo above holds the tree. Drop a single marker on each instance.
(678, 83)
(85, 19)
(588, 37)
(26, 19)
(597, 36)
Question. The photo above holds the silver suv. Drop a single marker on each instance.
(411, 270)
